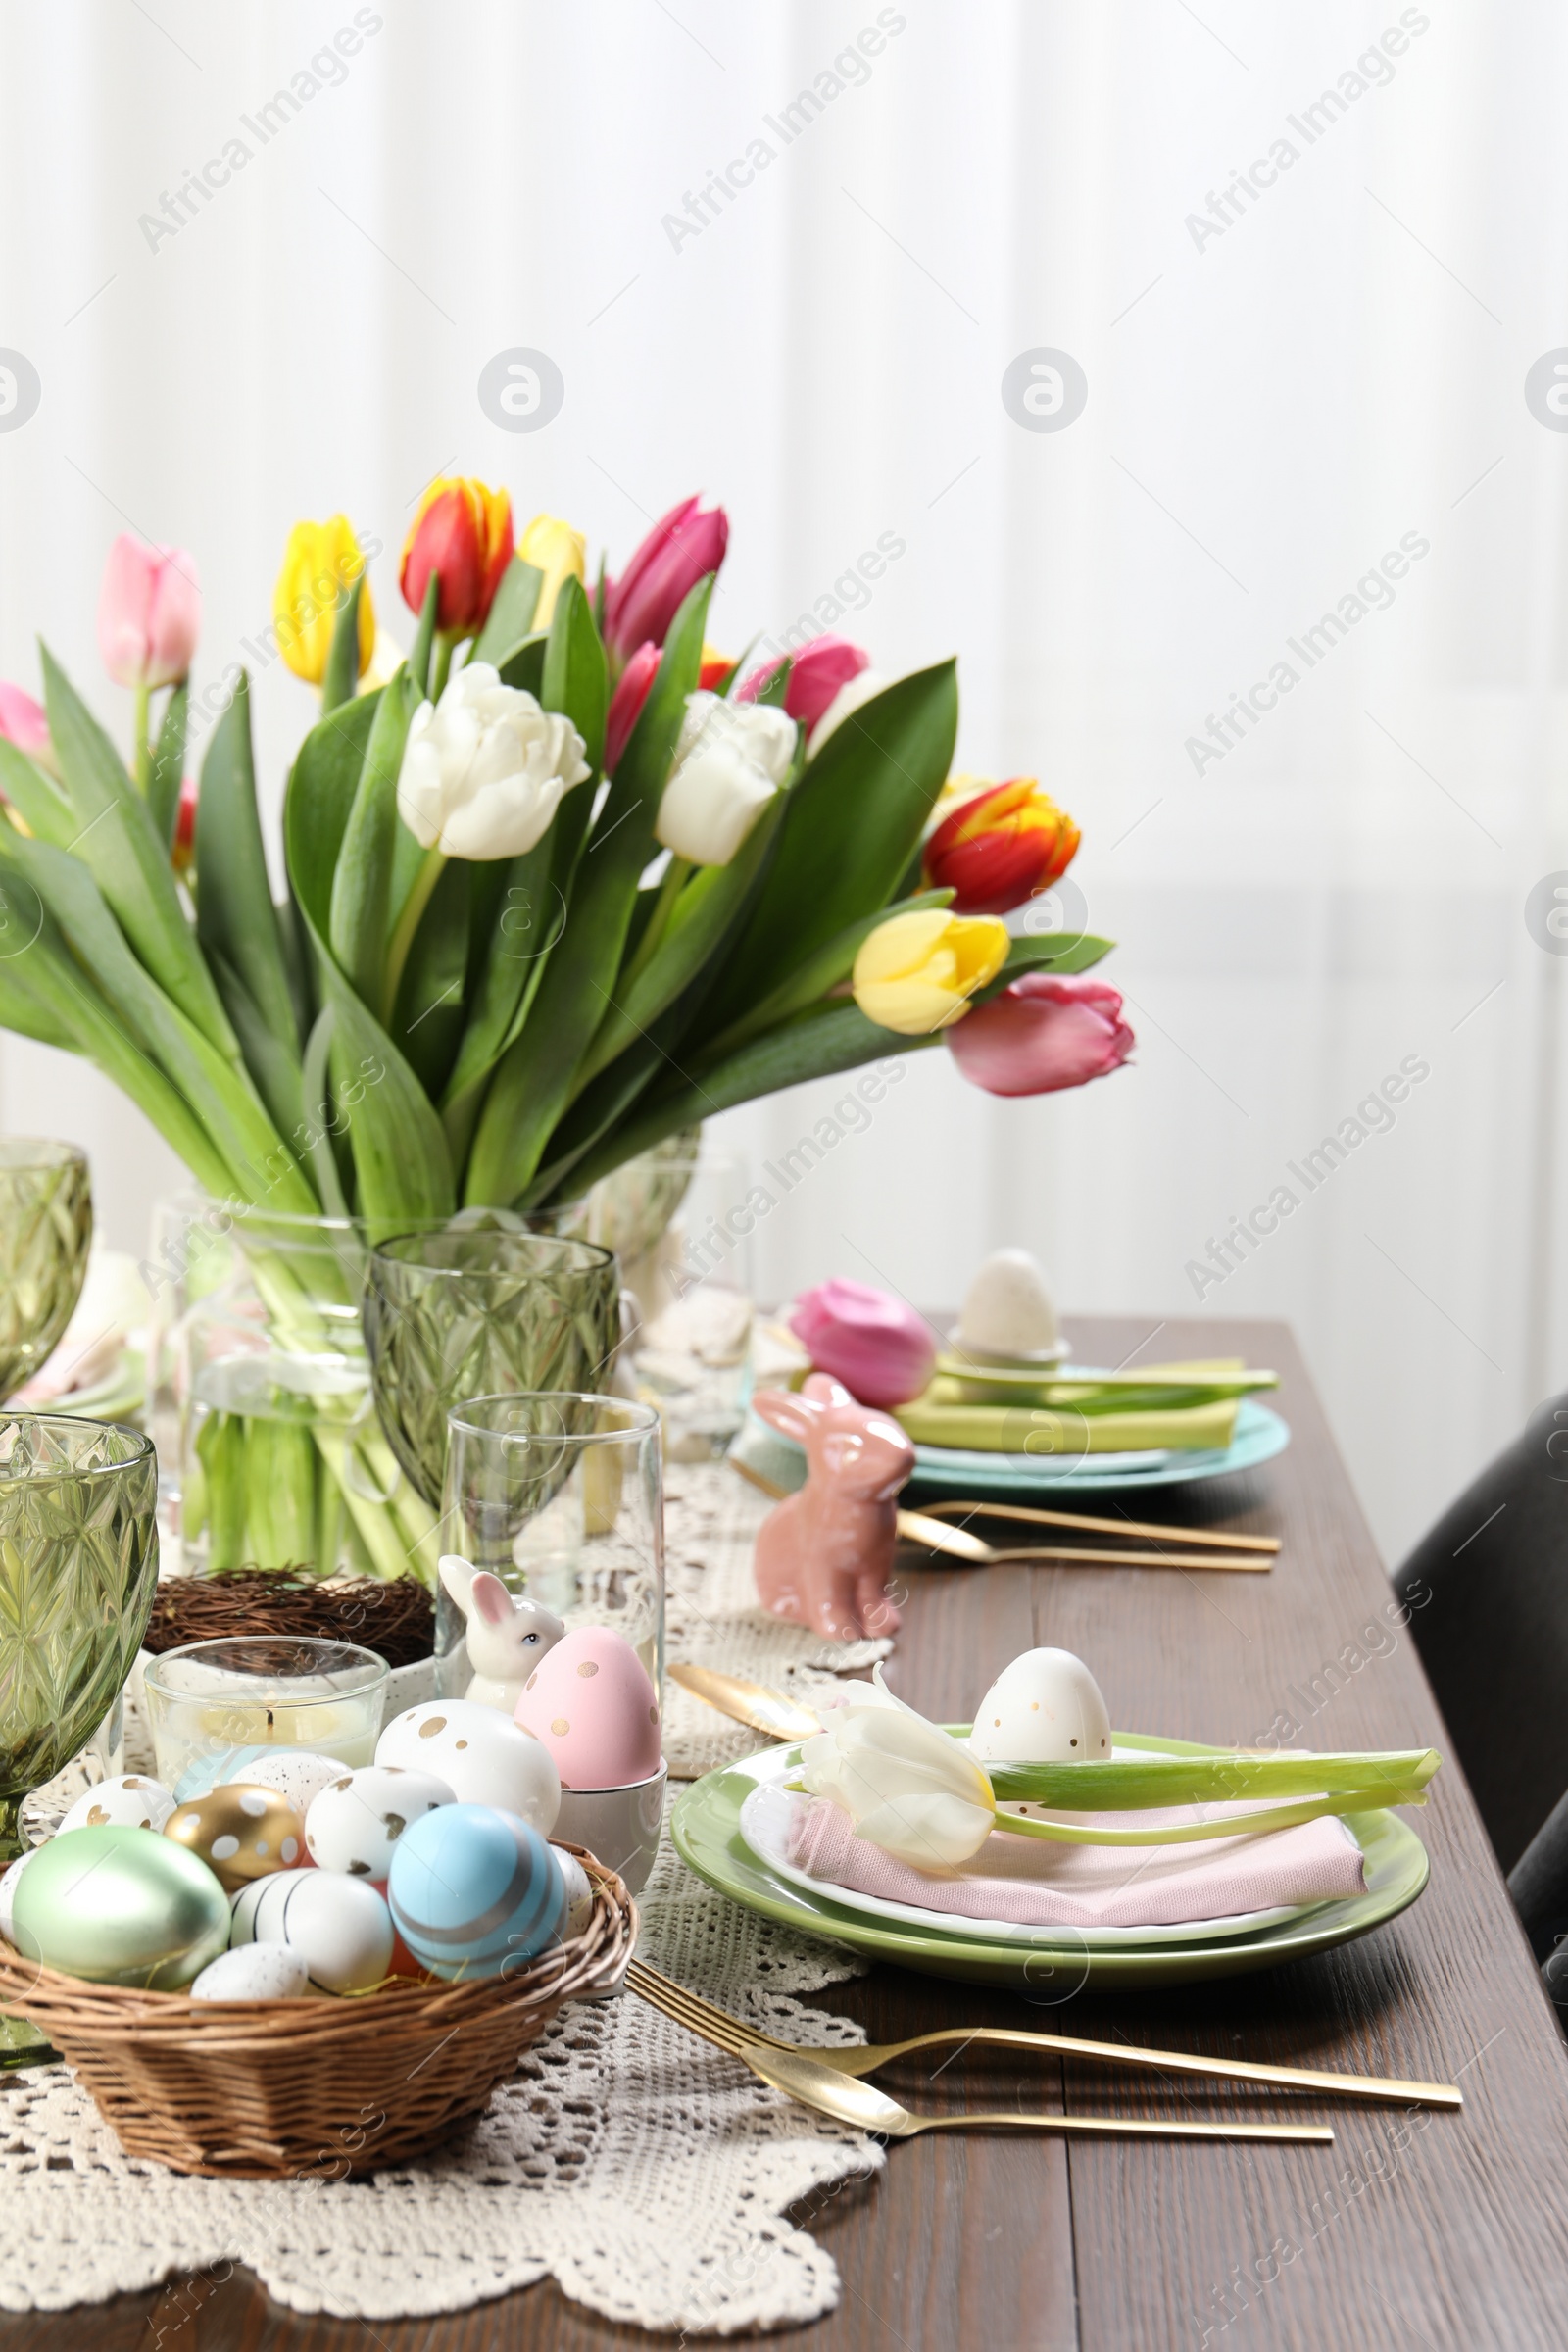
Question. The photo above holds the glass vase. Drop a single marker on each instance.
(282, 1460)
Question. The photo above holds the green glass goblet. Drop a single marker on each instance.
(45, 1231)
(78, 1566)
(474, 1312)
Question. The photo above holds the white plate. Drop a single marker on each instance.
(764, 1825)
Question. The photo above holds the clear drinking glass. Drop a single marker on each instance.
(694, 1287)
(472, 1311)
(45, 1232)
(561, 1497)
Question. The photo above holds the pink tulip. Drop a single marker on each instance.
(675, 555)
(22, 722)
(882, 1350)
(817, 673)
(149, 613)
(1042, 1032)
(626, 703)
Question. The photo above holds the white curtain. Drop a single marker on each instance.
(787, 253)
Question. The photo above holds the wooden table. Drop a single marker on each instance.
(1450, 2231)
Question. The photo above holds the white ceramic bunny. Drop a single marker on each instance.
(507, 1638)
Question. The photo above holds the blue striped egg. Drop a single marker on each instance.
(476, 1891)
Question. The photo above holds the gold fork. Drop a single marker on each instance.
(805, 2078)
(866, 2058)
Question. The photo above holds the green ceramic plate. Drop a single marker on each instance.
(705, 1827)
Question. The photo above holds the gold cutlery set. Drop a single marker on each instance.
(830, 2081)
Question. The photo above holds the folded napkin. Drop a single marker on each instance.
(1034, 1430)
(1047, 1884)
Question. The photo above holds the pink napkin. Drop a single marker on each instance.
(1046, 1885)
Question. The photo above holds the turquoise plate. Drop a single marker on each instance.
(1260, 1435)
(705, 1827)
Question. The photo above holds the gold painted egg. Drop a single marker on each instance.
(240, 1833)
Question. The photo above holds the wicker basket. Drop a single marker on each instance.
(273, 2091)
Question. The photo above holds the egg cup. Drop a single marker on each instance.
(620, 1827)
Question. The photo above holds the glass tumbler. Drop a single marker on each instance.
(561, 1497)
(45, 1231)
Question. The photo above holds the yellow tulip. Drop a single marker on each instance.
(320, 561)
(916, 972)
(554, 547)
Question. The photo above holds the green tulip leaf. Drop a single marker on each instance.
(239, 928)
(37, 799)
(1049, 952)
(511, 616)
(342, 673)
(129, 859)
(168, 765)
(360, 916)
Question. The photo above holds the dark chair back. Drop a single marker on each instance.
(1488, 1594)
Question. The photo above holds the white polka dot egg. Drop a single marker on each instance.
(298, 1773)
(256, 1972)
(1045, 1709)
(355, 1822)
(483, 1759)
(133, 1801)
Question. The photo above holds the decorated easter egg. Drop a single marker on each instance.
(120, 1906)
(580, 1892)
(484, 1759)
(476, 1891)
(256, 1972)
(340, 1927)
(1007, 1315)
(133, 1801)
(298, 1773)
(240, 1833)
(357, 1819)
(590, 1703)
(1045, 1709)
(8, 1890)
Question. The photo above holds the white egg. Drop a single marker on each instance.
(1045, 1709)
(8, 1888)
(340, 1927)
(580, 1892)
(256, 1972)
(355, 1822)
(1008, 1313)
(298, 1773)
(133, 1801)
(484, 1759)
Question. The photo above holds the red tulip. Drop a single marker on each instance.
(1045, 1031)
(687, 543)
(462, 531)
(817, 673)
(882, 1350)
(625, 704)
(22, 722)
(1000, 847)
(183, 850)
(149, 613)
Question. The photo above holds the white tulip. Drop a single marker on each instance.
(485, 768)
(730, 760)
(908, 1786)
(850, 696)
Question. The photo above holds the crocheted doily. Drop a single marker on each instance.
(643, 2170)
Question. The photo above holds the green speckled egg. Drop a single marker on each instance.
(121, 1906)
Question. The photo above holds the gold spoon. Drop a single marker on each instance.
(956, 1542)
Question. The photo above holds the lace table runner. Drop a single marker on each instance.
(648, 2173)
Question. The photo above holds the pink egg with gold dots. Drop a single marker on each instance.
(590, 1703)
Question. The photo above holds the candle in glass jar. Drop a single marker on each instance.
(213, 1701)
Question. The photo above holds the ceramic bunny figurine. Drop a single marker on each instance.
(507, 1638)
(823, 1556)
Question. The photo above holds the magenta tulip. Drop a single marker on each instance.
(817, 673)
(676, 554)
(149, 613)
(882, 1350)
(625, 704)
(22, 722)
(1042, 1032)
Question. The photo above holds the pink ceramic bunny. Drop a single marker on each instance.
(823, 1556)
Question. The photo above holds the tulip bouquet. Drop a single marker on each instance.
(563, 878)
